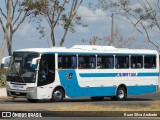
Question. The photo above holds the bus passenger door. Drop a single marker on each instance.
(46, 76)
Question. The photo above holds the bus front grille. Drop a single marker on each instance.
(18, 94)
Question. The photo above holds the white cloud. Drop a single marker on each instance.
(81, 29)
(26, 30)
(91, 16)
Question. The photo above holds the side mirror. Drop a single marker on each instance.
(5, 60)
(34, 63)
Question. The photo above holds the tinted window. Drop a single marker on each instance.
(122, 62)
(46, 70)
(105, 62)
(87, 61)
(150, 62)
(67, 61)
(136, 62)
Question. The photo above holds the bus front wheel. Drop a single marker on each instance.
(121, 93)
(57, 95)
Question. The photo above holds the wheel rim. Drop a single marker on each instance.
(121, 94)
(57, 95)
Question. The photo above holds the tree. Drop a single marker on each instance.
(143, 14)
(5, 29)
(14, 18)
(57, 13)
(118, 40)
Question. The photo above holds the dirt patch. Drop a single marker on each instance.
(153, 106)
(23, 105)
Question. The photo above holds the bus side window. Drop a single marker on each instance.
(136, 62)
(80, 62)
(86, 61)
(122, 62)
(59, 65)
(67, 62)
(80, 66)
(92, 62)
(150, 62)
(105, 62)
(74, 62)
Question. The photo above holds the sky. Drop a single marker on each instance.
(98, 24)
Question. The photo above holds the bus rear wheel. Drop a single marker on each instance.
(121, 93)
(57, 95)
(97, 98)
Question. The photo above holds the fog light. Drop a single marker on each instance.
(30, 88)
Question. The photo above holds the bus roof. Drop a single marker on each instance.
(88, 49)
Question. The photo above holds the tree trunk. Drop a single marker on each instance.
(63, 38)
(53, 37)
(9, 5)
(2, 49)
(9, 44)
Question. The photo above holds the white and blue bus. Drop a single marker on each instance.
(82, 71)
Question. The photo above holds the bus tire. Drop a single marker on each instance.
(121, 93)
(97, 98)
(57, 95)
(32, 100)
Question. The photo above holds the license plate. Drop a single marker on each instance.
(17, 86)
(17, 93)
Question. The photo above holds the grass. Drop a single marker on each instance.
(153, 106)
(1, 86)
(3, 77)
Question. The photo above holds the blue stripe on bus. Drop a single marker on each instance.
(98, 74)
(148, 74)
(72, 88)
(116, 74)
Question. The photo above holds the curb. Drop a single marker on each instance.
(3, 92)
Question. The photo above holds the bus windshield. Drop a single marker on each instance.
(20, 69)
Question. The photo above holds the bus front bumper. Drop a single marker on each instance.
(32, 94)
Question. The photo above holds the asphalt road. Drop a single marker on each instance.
(131, 100)
(46, 105)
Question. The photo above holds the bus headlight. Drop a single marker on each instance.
(30, 88)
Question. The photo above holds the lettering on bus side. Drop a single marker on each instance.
(126, 74)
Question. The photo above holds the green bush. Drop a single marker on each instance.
(2, 80)
(3, 73)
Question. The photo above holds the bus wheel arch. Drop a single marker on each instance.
(121, 92)
(58, 94)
